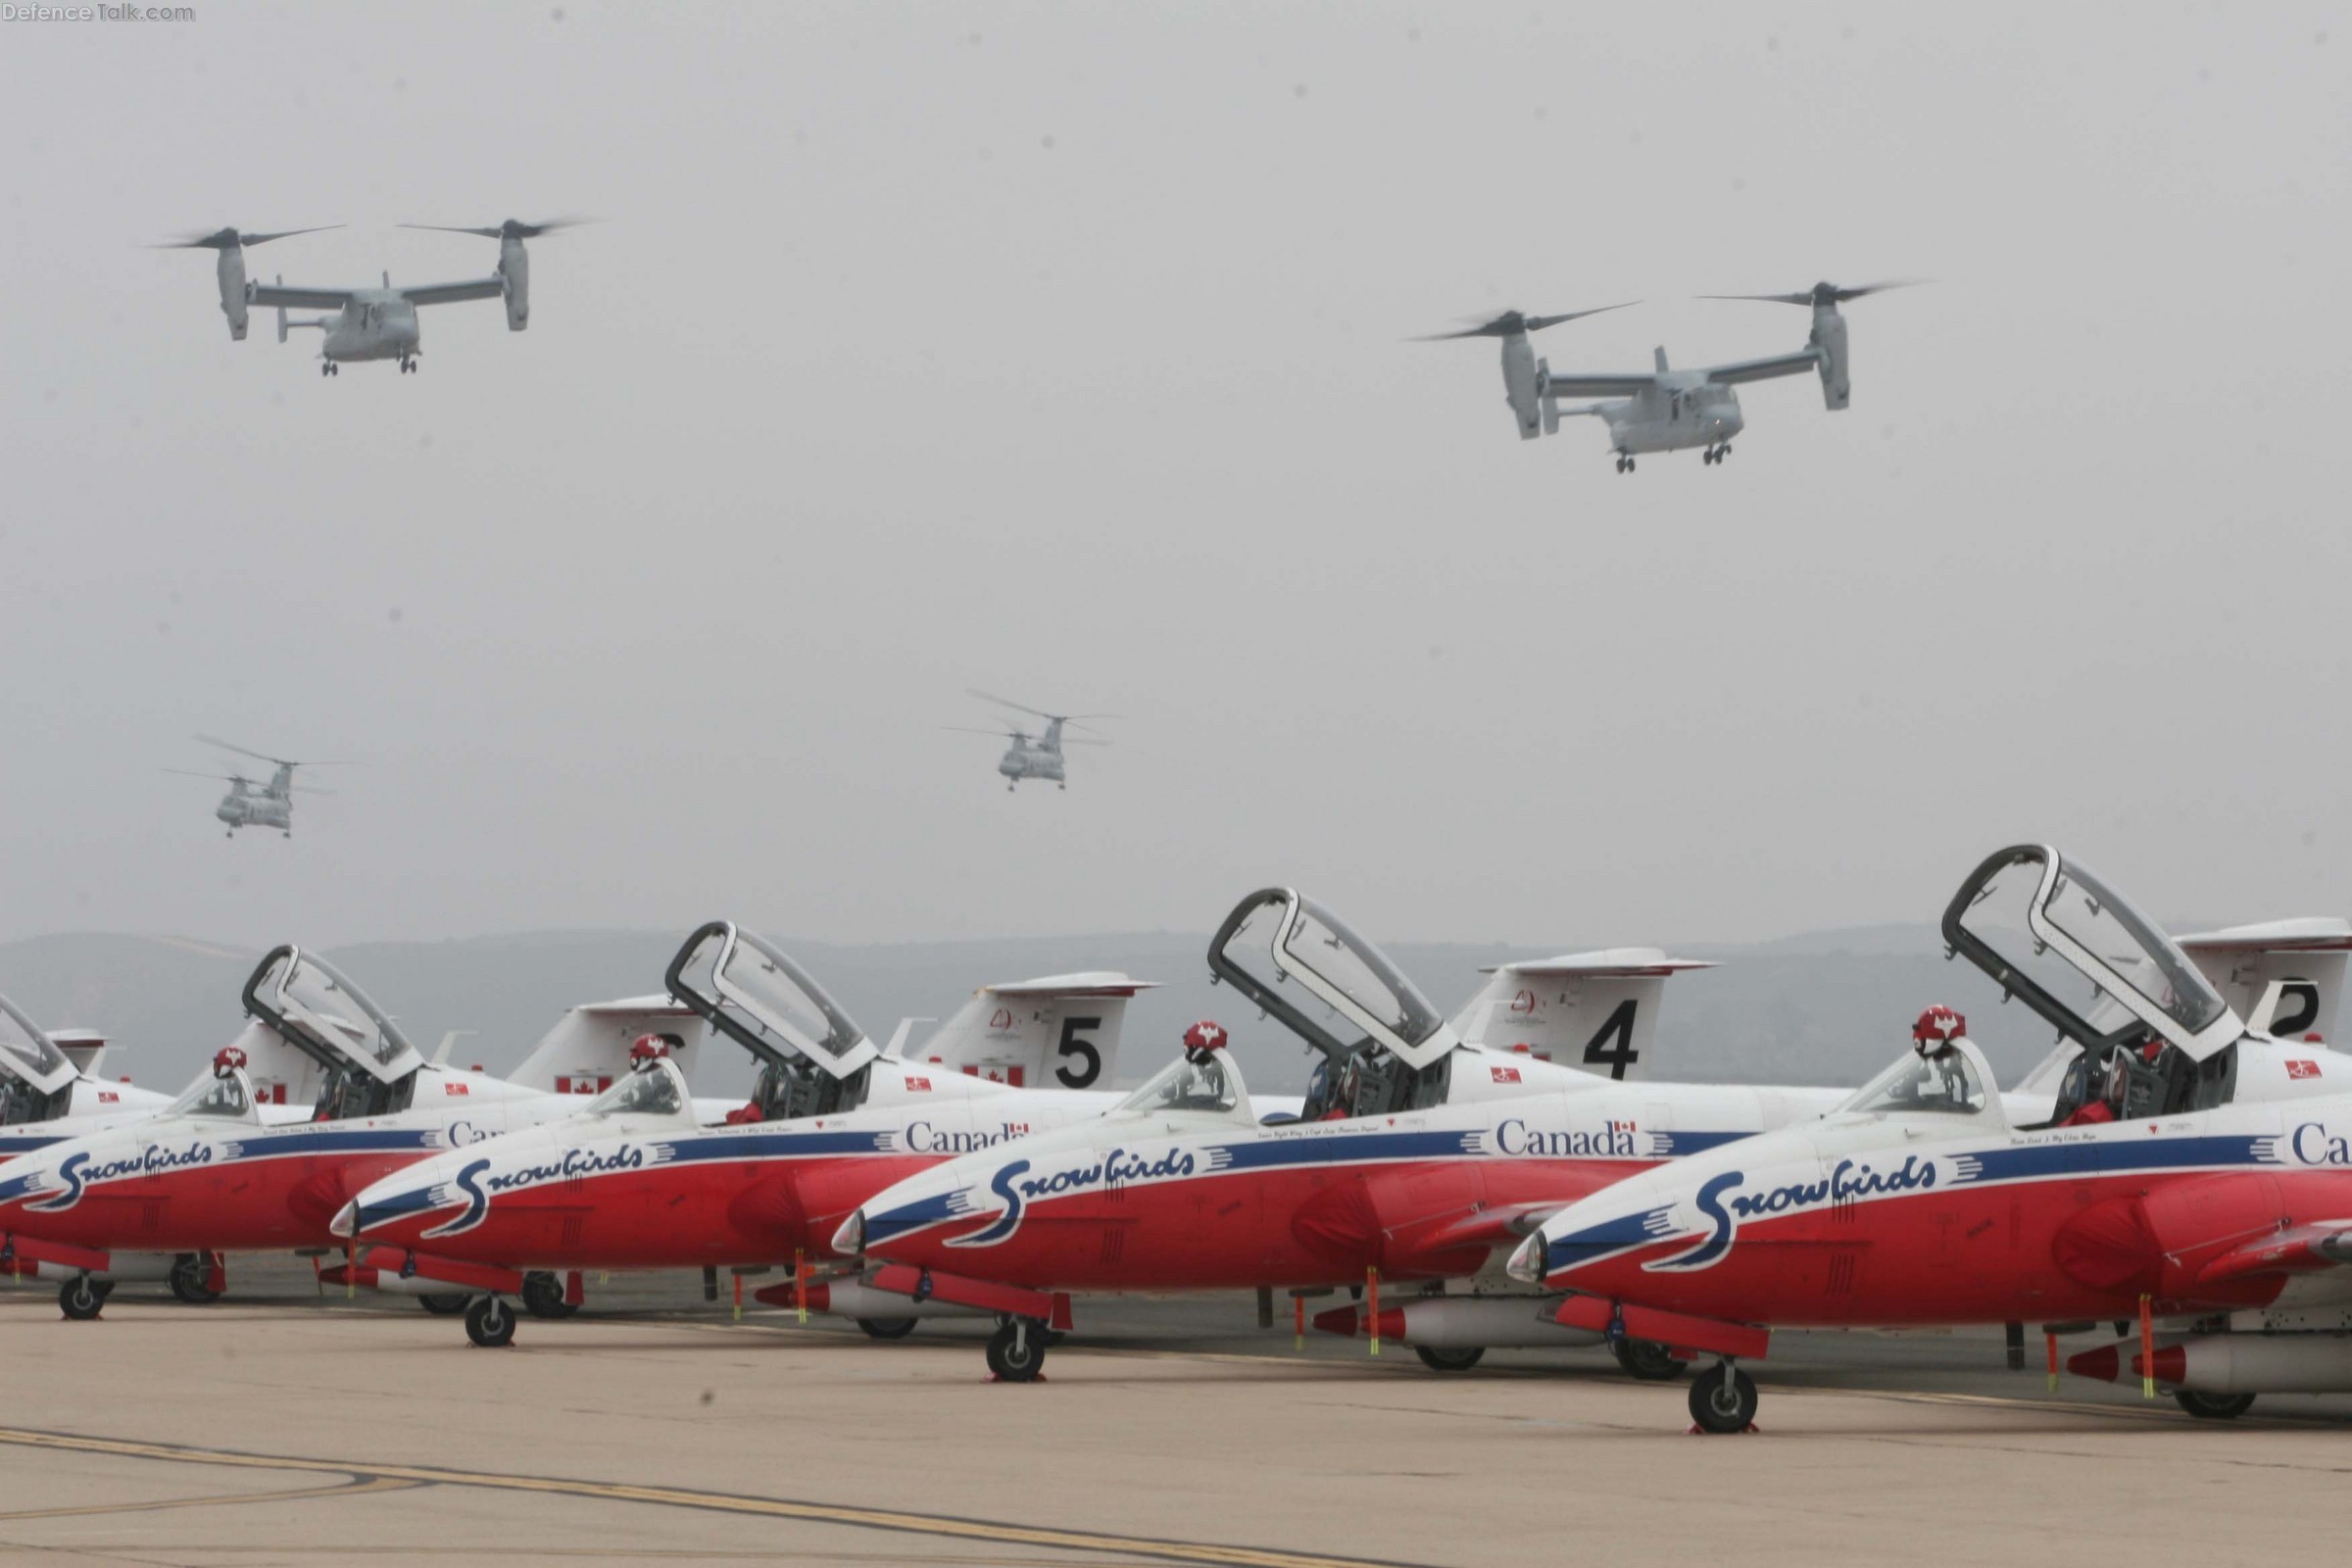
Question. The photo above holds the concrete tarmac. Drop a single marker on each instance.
(280, 1426)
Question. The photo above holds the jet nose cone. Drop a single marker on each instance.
(346, 1222)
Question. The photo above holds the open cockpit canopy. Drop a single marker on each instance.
(758, 997)
(1326, 984)
(28, 1054)
(2071, 947)
(323, 1014)
(656, 1089)
(1953, 1081)
(218, 1097)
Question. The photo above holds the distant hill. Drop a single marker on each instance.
(1828, 1008)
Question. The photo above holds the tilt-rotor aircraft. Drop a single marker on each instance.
(1420, 1158)
(239, 1163)
(1666, 409)
(636, 1184)
(370, 323)
(2195, 1173)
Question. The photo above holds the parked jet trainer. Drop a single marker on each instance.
(370, 323)
(1665, 410)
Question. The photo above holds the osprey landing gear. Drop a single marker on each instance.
(1624, 463)
(1723, 1399)
(408, 365)
(489, 1322)
(1016, 1351)
(1716, 454)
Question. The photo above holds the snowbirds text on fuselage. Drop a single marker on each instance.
(1419, 1155)
(2195, 1168)
(635, 1184)
(232, 1166)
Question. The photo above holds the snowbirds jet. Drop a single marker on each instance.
(637, 1185)
(1420, 1156)
(232, 1166)
(50, 1089)
(2196, 1168)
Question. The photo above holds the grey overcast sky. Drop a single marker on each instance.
(1059, 350)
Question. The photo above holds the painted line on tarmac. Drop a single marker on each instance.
(896, 1520)
(349, 1488)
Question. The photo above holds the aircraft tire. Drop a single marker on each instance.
(887, 1328)
(543, 1296)
(489, 1322)
(1437, 1360)
(188, 1273)
(1723, 1399)
(1650, 1361)
(449, 1306)
(1014, 1358)
(81, 1297)
(2213, 1406)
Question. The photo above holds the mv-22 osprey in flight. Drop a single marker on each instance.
(372, 323)
(1665, 410)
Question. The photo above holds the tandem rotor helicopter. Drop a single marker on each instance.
(1040, 757)
(251, 804)
(372, 323)
(1666, 409)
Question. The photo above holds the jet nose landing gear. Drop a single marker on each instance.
(490, 1322)
(1723, 1399)
(1016, 1351)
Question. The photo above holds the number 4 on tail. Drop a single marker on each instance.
(1612, 1046)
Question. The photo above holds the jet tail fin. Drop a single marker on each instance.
(1598, 1011)
(2284, 977)
(589, 1046)
(1062, 1031)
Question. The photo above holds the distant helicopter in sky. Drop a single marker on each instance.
(264, 804)
(1039, 758)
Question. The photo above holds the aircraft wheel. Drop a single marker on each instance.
(81, 1297)
(1649, 1360)
(2213, 1406)
(1723, 1399)
(1016, 1352)
(1437, 1360)
(887, 1328)
(190, 1272)
(442, 1305)
(543, 1295)
(489, 1322)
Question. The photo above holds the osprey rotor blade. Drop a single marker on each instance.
(221, 239)
(511, 228)
(1821, 294)
(966, 729)
(1511, 322)
(244, 750)
(189, 772)
(1005, 702)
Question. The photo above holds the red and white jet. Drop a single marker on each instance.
(637, 1185)
(1420, 1156)
(2195, 1172)
(50, 1087)
(239, 1163)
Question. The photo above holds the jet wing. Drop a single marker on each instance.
(479, 288)
(1557, 386)
(1798, 364)
(298, 297)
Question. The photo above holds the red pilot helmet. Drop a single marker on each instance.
(1202, 1038)
(1935, 1030)
(227, 1059)
(645, 1050)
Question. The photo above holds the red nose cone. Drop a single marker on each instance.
(2102, 1363)
(1338, 1320)
(2172, 1364)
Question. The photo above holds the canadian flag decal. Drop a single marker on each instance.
(2302, 1069)
(1504, 1075)
(457, 1089)
(921, 1085)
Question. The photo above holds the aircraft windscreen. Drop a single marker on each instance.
(1996, 916)
(1212, 1084)
(27, 1052)
(1946, 1084)
(224, 1097)
(339, 1012)
(1323, 944)
(781, 996)
(655, 1091)
(1244, 956)
(2141, 955)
